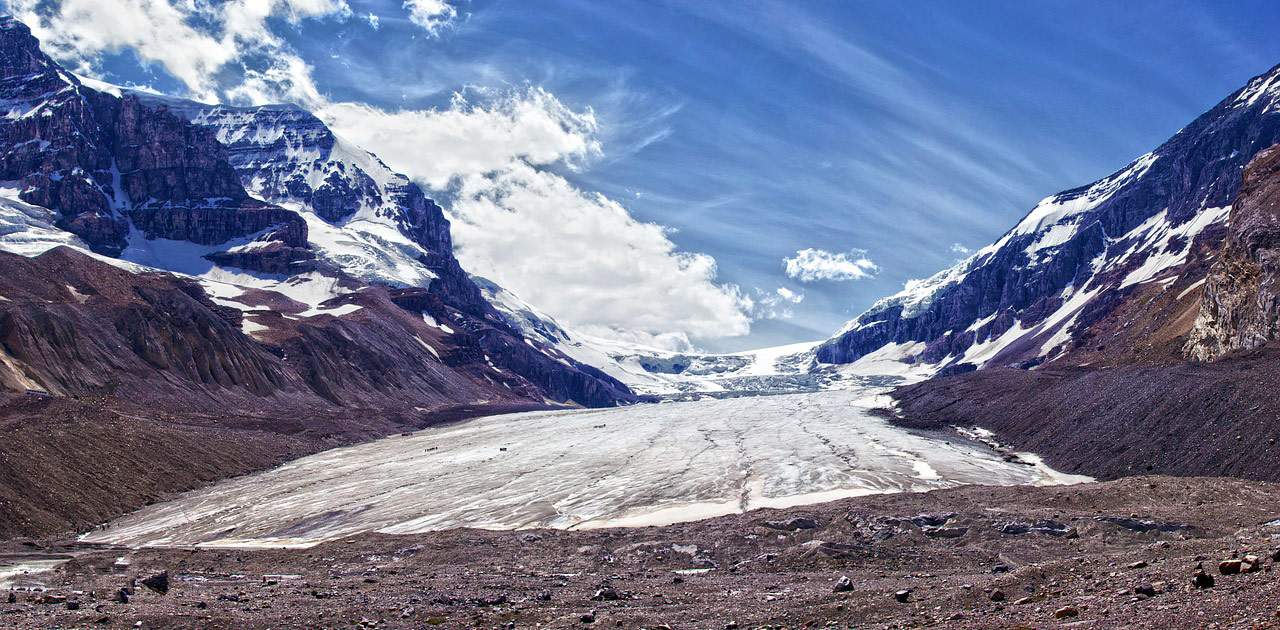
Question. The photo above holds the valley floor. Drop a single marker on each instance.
(1100, 555)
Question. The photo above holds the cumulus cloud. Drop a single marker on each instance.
(529, 125)
(431, 15)
(374, 21)
(232, 35)
(583, 258)
(578, 255)
(812, 265)
(286, 78)
(789, 296)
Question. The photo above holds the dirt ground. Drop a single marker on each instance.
(1111, 555)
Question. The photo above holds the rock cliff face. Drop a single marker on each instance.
(1079, 255)
(1240, 307)
(100, 160)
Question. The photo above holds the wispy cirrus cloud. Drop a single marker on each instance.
(813, 265)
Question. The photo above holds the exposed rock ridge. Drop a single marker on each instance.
(1240, 306)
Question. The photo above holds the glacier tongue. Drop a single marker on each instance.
(634, 466)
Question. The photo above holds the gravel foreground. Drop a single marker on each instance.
(1108, 555)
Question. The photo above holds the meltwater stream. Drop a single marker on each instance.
(641, 465)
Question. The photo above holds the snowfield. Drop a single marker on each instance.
(632, 466)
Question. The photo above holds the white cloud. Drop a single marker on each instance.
(788, 295)
(585, 260)
(374, 22)
(435, 146)
(957, 248)
(578, 255)
(775, 304)
(79, 32)
(286, 79)
(811, 265)
(431, 15)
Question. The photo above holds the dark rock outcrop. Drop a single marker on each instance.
(75, 326)
(101, 160)
(1240, 305)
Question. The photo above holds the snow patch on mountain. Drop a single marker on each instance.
(1266, 86)
(30, 230)
(1056, 211)
(1166, 245)
(1023, 299)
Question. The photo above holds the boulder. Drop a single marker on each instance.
(1201, 578)
(1066, 612)
(158, 582)
(843, 585)
(1250, 563)
(795, 523)
(945, 532)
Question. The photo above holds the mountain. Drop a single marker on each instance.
(1056, 287)
(302, 244)
(1149, 353)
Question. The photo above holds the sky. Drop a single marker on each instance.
(713, 175)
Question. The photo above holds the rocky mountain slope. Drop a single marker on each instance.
(1178, 380)
(1120, 328)
(1053, 287)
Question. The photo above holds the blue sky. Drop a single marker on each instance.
(897, 134)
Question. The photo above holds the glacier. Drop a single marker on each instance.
(632, 466)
